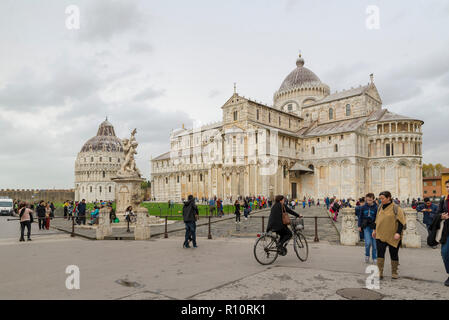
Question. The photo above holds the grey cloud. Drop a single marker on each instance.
(140, 47)
(148, 93)
(106, 19)
(28, 90)
(213, 93)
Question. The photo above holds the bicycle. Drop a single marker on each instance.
(266, 246)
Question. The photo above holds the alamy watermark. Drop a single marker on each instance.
(372, 21)
(372, 282)
(72, 21)
(73, 280)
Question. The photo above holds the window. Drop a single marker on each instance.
(91, 159)
(425, 192)
(279, 120)
(313, 150)
(330, 138)
(110, 189)
(235, 115)
(331, 114)
(118, 160)
(434, 183)
(101, 159)
(201, 177)
(256, 137)
(166, 180)
(290, 107)
(387, 151)
(110, 159)
(318, 139)
(189, 177)
(269, 116)
(177, 179)
(100, 189)
(348, 110)
(91, 189)
(341, 137)
(104, 174)
(289, 123)
(336, 148)
(257, 114)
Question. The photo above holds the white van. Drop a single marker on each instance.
(6, 206)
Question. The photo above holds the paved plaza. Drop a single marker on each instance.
(221, 268)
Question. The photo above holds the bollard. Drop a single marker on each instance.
(316, 230)
(73, 228)
(209, 235)
(166, 233)
(128, 225)
(263, 224)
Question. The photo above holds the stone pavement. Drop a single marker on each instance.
(221, 268)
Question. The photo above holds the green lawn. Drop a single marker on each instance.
(161, 208)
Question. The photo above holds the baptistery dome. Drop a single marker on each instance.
(98, 161)
(104, 140)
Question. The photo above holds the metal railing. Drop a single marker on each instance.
(209, 233)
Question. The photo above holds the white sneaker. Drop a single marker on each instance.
(366, 259)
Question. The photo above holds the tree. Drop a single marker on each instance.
(438, 168)
(430, 170)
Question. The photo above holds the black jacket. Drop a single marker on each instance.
(442, 208)
(189, 211)
(275, 220)
(40, 211)
(82, 209)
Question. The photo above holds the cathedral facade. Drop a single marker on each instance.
(311, 142)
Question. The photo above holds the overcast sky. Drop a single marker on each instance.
(153, 65)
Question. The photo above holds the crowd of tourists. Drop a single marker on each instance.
(77, 211)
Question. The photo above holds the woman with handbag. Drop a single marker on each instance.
(388, 227)
(279, 220)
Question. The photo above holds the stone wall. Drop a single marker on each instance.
(34, 195)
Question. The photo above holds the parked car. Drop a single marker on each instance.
(6, 207)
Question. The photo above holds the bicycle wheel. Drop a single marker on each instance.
(301, 247)
(265, 250)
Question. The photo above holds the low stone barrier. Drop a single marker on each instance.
(104, 224)
(142, 230)
(349, 234)
(411, 237)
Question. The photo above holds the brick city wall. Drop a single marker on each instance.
(32, 195)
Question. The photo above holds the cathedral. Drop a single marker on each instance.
(310, 142)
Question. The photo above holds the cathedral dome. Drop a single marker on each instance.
(300, 76)
(105, 140)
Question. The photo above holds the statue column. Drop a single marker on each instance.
(411, 237)
(104, 224)
(349, 235)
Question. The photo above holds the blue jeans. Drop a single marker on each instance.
(445, 255)
(190, 233)
(369, 241)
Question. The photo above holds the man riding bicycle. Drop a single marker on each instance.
(275, 223)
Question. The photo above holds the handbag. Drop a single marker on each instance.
(440, 231)
(285, 217)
